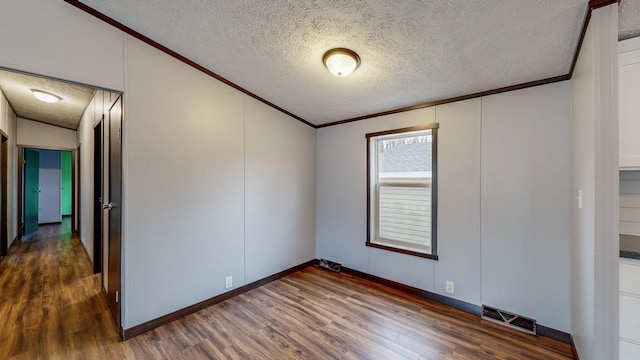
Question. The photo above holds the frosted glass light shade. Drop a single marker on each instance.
(45, 96)
(341, 61)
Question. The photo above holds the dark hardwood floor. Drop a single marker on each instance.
(51, 307)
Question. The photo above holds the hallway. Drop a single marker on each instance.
(50, 302)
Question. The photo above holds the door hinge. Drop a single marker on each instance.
(24, 161)
(119, 132)
(117, 296)
(102, 116)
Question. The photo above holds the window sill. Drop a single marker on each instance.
(402, 251)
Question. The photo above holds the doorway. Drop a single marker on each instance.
(107, 196)
(47, 188)
(88, 120)
(114, 207)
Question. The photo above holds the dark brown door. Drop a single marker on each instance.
(4, 198)
(31, 170)
(97, 198)
(114, 207)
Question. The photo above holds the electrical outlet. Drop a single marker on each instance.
(228, 282)
(450, 288)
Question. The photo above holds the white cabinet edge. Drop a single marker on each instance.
(630, 341)
(629, 45)
(629, 295)
(629, 261)
(629, 58)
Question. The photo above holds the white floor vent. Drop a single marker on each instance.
(508, 319)
(330, 265)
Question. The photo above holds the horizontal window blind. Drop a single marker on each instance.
(404, 213)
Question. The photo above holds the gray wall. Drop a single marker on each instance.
(594, 239)
(215, 183)
(503, 234)
(279, 193)
(55, 39)
(525, 203)
(458, 199)
(341, 201)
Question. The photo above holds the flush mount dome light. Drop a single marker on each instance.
(45, 96)
(341, 61)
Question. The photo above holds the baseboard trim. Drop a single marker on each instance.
(4, 257)
(454, 303)
(554, 334)
(50, 223)
(178, 314)
(86, 253)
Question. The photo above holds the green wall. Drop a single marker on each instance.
(65, 194)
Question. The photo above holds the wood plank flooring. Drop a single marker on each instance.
(51, 307)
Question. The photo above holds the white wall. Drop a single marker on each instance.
(50, 176)
(40, 135)
(630, 203)
(8, 125)
(55, 39)
(519, 199)
(594, 240)
(215, 185)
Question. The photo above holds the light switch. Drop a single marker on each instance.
(580, 199)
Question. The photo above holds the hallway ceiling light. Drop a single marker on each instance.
(45, 96)
(341, 61)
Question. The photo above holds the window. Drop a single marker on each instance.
(402, 190)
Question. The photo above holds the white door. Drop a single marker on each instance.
(50, 184)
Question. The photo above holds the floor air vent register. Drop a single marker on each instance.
(509, 320)
(330, 265)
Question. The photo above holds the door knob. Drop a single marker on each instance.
(108, 206)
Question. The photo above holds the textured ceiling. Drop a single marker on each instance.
(66, 112)
(412, 51)
(628, 19)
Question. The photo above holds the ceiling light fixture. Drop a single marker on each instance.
(341, 61)
(45, 96)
